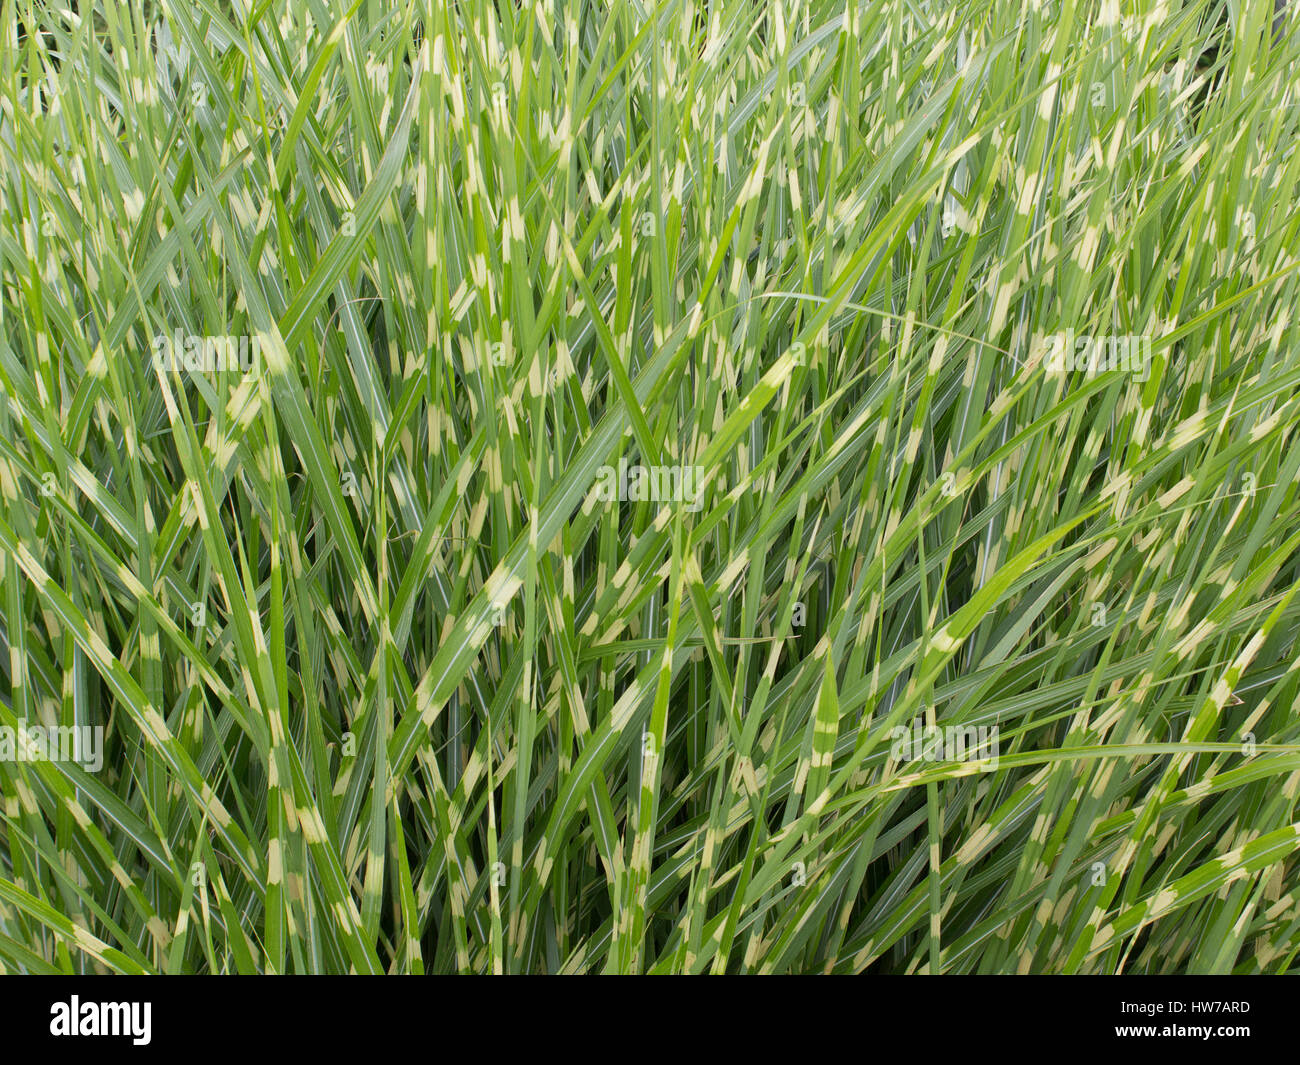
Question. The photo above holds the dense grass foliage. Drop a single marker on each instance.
(621, 422)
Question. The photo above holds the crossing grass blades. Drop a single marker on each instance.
(390, 678)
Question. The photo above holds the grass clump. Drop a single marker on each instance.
(502, 486)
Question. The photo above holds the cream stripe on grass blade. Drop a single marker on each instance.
(389, 682)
